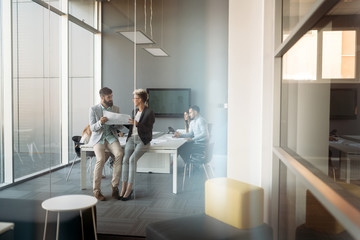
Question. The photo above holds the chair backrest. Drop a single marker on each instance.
(210, 151)
(202, 153)
(76, 140)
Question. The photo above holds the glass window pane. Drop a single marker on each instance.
(37, 116)
(301, 214)
(53, 3)
(299, 64)
(319, 118)
(293, 11)
(81, 81)
(338, 55)
(83, 10)
(1, 102)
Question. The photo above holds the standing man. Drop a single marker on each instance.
(198, 133)
(104, 137)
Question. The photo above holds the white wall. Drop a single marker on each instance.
(245, 90)
(313, 124)
(250, 94)
(195, 36)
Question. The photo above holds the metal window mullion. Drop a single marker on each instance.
(97, 53)
(82, 24)
(8, 91)
(65, 12)
(338, 205)
(319, 60)
(276, 119)
(64, 84)
(318, 10)
(48, 6)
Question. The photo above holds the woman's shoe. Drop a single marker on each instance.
(121, 196)
(128, 197)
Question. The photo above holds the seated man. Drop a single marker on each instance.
(198, 133)
(105, 137)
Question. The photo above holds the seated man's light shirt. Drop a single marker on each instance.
(107, 132)
(197, 130)
(137, 118)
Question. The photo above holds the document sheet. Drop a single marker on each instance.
(116, 118)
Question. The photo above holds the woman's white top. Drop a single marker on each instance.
(137, 118)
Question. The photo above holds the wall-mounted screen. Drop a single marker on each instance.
(343, 103)
(169, 102)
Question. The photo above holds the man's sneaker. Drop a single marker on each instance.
(99, 196)
(115, 193)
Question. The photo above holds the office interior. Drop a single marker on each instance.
(277, 79)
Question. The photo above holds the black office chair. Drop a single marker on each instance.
(77, 156)
(201, 155)
(77, 144)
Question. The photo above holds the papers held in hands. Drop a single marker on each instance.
(116, 118)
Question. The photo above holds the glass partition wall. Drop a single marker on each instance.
(56, 72)
(51, 83)
(319, 178)
(292, 13)
(1, 102)
(62, 52)
(36, 89)
(81, 81)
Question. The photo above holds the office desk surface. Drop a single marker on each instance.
(348, 148)
(163, 144)
(355, 138)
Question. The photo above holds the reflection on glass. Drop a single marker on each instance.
(320, 125)
(338, 55)
(37, 126)
(299, 64)
(293, 11)
(83, 10)
(81, 81)
(301, 215)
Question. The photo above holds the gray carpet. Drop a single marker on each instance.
(154, 199)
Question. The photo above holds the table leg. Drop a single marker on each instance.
(175, 172)
(57, 226)
(46, 217)
(347, 169)
(82, 225)
(93, 217)
(83, 170)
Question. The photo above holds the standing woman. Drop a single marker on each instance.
(137, 142)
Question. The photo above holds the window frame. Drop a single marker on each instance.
(334, 199)
(7, 79)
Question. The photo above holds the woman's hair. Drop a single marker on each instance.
(87, 130)
(142, 94)
(187, 121)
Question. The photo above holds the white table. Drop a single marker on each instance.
(349, 148)
(69, 203)
(354, 138)
(163, 144)
(6, 226)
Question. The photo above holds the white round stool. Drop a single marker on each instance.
(69, 203)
